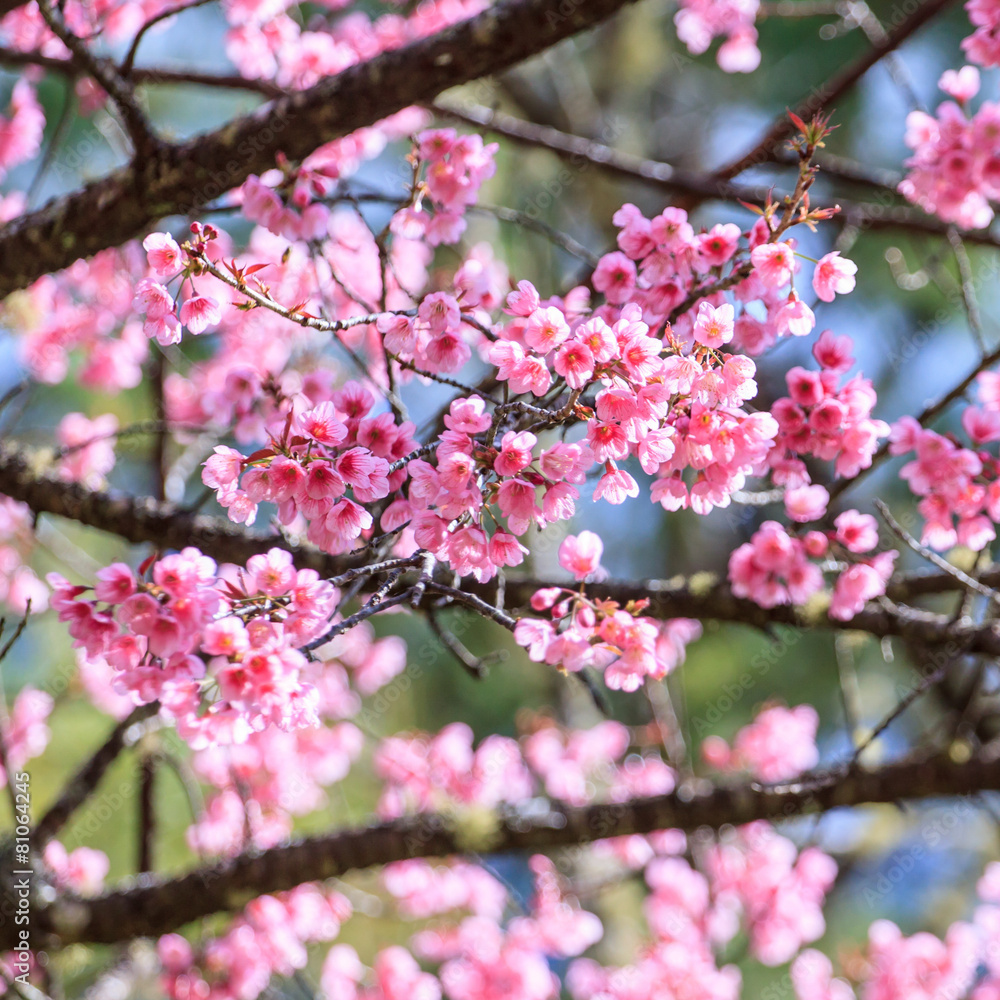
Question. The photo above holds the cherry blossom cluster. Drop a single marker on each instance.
(428, 773)
(81, 871)
(582, 633)
(423, 890)
(87, 448)
(330, 462)
(425, 774)
(20, 137)
(982, 46)
(954, 171)
(959, 487)
(450, 505)
(266, 40)
(288, 201)
(776, 890)
(86, 309)
(218, 648)
(569, 763)
(436, 340)
(117, 21)
(672, 413)
(820, 418)
(700, 21)
(394, 975)
(674, 273)
(199, 311)
(456, 168)
(755, 879)
(479, 958)
(266, 365)
(966, 962)
(776, 567)
(25, 732)
(19, 584)
(269, 938)
(778, 745)
(921, 966)
(260, 785)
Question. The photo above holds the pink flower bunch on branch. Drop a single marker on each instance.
(219, 649)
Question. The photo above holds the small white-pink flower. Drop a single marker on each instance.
(714, 324)
(200, 312)
(581, 554)
(163, 254)
(834, 275)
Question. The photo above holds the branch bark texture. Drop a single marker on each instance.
(157, 905)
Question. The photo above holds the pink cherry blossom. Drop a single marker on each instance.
(581, 554)
(834, 275)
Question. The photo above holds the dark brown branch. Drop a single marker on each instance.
(106, 76)
(822, 97)
(156, 905)
(861, 214)
(180, 179)
(83, 783)
(168, 526)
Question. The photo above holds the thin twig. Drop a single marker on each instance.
(378, 602)
(471, 663)
(127, 63)
(968, 287)
(475, 603)
(926, 683)
(970, 583)
(105, 74)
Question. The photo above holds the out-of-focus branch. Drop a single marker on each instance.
(83, 783)
(104, 73)
(822, 97)
(157, 905)
(703, 185)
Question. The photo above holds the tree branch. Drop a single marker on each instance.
(83, 783)
(143, 519)
(180, 179)
(166, 525)
(156, 905)
(104, 73)
(823, 96)
(703, 185)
